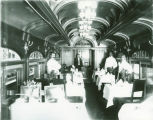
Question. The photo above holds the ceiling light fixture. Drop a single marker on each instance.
(87, 12)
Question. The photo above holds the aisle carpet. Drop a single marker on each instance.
(96, 106)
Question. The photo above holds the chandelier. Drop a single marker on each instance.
(87, 11)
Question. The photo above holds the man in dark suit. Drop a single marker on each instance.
(78, 62)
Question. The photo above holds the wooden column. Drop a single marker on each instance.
(26, 67)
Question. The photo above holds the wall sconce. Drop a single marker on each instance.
(28, 43)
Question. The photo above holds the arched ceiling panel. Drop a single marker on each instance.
(44, 29)
(71, 26)
(134, 28)
(117, 39)
(55, 39)
(68, 12)
(62, 43)
(106, 9)
(17, 13)
(41, 19)
(110, 12)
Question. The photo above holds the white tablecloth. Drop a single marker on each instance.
(118, 90)
(135, 111)
(76, 86)
(76, 90)
(48, 111)
(106, 78)
(77, 77)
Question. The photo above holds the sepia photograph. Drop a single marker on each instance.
(76, 59)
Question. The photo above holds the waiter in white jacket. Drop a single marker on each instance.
(125, 69)
(110, 63)
(53, 66)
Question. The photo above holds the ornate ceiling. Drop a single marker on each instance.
(119, 22)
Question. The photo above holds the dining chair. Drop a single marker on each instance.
(31, 92)
(25, 91)
(138, 86)
(53, 93)
(36, 92)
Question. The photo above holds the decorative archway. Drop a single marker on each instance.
(83, 43)
(36, 55)
(76, 40)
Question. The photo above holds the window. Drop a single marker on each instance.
(36, 55)
(8, 55)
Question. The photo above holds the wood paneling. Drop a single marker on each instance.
(92, 56)
(67, 56)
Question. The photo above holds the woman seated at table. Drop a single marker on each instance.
(125, 70)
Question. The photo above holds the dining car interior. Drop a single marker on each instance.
(76, 59)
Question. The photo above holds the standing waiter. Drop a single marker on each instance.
(78, 62)
(111, 63)
(53, 66)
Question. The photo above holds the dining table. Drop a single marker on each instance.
(120, 89)
(30, 107)
(137, 111)
(105, 79)
(75, 88)
(63, 110)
